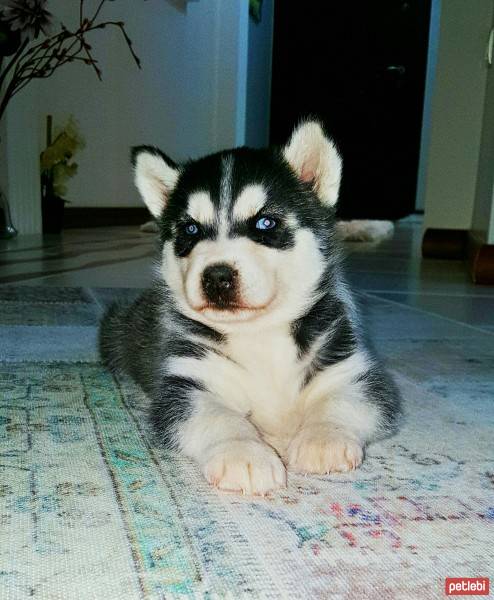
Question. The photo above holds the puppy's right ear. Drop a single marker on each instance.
(155, 177)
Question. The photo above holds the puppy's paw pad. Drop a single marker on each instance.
(324, 452)
(246, 468)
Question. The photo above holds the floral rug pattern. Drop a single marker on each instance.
(89, 509)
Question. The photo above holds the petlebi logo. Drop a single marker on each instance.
(466, 586)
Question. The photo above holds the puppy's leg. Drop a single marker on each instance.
(229, 450)
(345, 410)
(325, 447)
(201, 410)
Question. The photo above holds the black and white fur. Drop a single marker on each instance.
(248, 343)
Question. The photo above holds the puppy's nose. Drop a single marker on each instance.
(219, 282)
(220, 277)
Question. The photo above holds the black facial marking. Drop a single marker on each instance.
(285, 195)
(185, 242)
(280, 237)
(203, 175)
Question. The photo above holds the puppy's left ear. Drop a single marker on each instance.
(315, 160)
(155, 177)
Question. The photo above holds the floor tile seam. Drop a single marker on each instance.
(425, 312)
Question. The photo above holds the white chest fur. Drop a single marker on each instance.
(258, 376)
(271, 375)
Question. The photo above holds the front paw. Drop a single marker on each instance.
(324, 449)
(248, 467)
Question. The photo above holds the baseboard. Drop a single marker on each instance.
(107, 216)
(445, 243)
(481, 261)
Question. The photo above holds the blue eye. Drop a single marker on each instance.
(266, 223)
(191, 229)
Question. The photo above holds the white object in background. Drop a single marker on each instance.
(489, 49)
(150, 227)
(22, 147)
(363, 230)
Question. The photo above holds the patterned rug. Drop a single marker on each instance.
(90, 510)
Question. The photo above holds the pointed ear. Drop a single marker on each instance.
(315, 160)
(155, 176)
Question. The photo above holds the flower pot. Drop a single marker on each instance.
(52, 209)
(52, 206)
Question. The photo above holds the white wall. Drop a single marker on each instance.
(483, 209)
(456, 113)
(189, 98)
(430, 80)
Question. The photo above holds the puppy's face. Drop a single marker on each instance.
(245, 233)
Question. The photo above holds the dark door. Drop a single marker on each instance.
(359, 66)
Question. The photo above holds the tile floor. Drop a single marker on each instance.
(424, 317)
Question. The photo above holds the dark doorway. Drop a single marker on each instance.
(360, 68)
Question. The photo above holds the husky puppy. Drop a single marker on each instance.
(248, 344)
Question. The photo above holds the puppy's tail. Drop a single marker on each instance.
(111, 338)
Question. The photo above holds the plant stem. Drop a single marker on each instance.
(98, 10)
(41, 60)
(13, 60)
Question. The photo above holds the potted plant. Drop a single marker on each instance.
(57, 166)
(32, 47)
